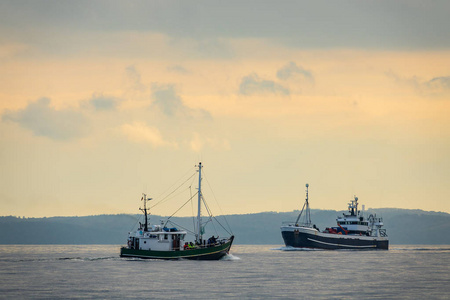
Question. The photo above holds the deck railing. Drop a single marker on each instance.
(290, 223)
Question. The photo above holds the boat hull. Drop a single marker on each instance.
(305, 237)
(206, 253)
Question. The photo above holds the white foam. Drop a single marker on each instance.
(230, 257)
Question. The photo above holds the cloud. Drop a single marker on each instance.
(214, 49)
(198, 142)
(44, 120)
(292, 70)
(167, 100)
(171, 105)
(405, 81)
(141, 133)
(439, 83)
(351, 23)
(178, 69)
(252, 84)
(102, 103)
(436, 87)
(134, 79)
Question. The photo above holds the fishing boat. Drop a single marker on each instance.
(353, 230)
(162, 242)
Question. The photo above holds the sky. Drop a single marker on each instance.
(101, 101)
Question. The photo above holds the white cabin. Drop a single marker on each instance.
(158, 238)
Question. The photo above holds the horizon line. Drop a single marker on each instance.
(237, 214)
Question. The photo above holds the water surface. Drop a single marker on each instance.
(250, 272)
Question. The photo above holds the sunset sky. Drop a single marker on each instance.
(101, 101)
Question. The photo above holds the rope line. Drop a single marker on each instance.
(161, 201)
(181, 207)
(212, 216)
(215, 199)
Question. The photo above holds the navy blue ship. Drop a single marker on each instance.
(353, 231)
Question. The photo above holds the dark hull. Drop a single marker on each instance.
(206, 253)
(332, 241)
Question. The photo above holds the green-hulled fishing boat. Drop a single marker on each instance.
(162, 242)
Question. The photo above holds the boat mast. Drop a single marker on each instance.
(144, 197)
(307, 212)
(199, 218)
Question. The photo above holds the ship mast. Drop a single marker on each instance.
(198, 237)
(307, 212)
(144, 197)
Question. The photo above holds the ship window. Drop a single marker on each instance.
(165, 236)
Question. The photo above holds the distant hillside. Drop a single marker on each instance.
(403, 227)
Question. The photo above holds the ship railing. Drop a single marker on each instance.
(205, 244)
(290, 223)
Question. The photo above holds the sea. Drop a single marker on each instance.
(248, 272)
